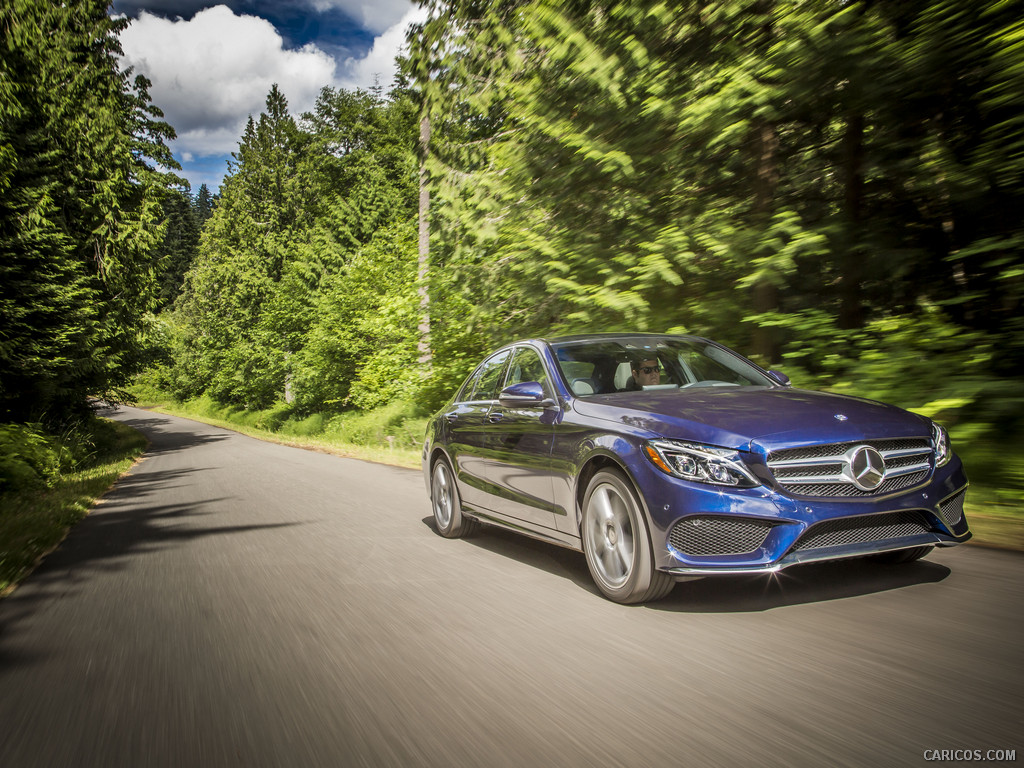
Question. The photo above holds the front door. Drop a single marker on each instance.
(519, 460)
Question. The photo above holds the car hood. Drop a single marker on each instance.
(746, 418)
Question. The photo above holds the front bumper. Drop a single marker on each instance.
(703, 531)
(820, 555)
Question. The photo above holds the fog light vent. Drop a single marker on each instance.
(952, 509)
(702, 536)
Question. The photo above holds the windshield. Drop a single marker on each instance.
(604, 366)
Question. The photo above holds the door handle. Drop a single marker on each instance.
(494, 418)
(452, 417)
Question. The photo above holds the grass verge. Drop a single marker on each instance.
(993, 524)
(395, 455)
(33, 522)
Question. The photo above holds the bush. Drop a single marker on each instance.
(31, 458)
(28, 457)
(399, 421)
(311, 425)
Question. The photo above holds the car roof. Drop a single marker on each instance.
(611, 336)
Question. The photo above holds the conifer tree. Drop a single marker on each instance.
(83, 174)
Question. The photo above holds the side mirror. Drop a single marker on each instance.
(780, 377)
(524, 394)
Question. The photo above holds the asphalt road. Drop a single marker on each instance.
(238, 603)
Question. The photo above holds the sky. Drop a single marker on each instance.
(212, 64)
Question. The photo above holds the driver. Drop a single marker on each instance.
(646, 371)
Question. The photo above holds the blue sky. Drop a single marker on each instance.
(212, 64)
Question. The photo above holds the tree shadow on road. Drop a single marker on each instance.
(121, 526)
(810, 583)
(164, 439)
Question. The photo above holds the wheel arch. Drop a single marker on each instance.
(591, 467)
(439, 453)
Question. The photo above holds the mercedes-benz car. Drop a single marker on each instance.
(664, 458)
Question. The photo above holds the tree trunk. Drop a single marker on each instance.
(851, 310)
(765, 341)
(424, 245)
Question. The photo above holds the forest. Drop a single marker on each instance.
(833, 189)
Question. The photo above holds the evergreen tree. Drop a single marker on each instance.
(203, 204)
(179, 247)
(81, 186)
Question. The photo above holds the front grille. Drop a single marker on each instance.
(846, 490)
(823, 470)
(952, 509)
(859, 530)
(718, 535)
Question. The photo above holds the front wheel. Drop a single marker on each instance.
(616, 542)
(446, 504)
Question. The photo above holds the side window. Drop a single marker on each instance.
(485, 384)
(526, 365)
(466, 393)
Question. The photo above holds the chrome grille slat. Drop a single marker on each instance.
(838, 449)
(820, 470)
(898, 471)
(809, 471)
(702, 536)
(859, 530)
(836, 490)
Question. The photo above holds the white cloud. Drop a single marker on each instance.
(210, 73)
(379, 62)
(375, 15)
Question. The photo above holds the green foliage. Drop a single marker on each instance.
(399, 424)
(80, 209)
(302, 277)
(28, 458)
(77, 467)
(812, 183)
(184, 219)
(361, 346)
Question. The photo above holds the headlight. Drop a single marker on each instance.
(940, 442)
(700, 463)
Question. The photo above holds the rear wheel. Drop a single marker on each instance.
(446, 504)
(617, 544)
(901, 555)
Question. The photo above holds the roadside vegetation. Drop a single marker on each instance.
(832, 189)
(391, 434)
(48, 483)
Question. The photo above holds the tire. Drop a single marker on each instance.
(446, 503)
(616, 543)
(901, 555)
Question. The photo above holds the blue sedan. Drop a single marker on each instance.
(666, 457)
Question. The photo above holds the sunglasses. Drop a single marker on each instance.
(648, 369)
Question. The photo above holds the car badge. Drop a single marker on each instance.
(842, 416)
(867, 467)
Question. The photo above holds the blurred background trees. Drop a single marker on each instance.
(834, 188)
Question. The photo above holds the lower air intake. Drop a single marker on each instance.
(861, 530)
(702, 536)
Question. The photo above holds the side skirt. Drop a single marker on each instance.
(518, 526)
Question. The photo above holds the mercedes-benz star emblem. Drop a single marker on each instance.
(842, 416)
(866, 467)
